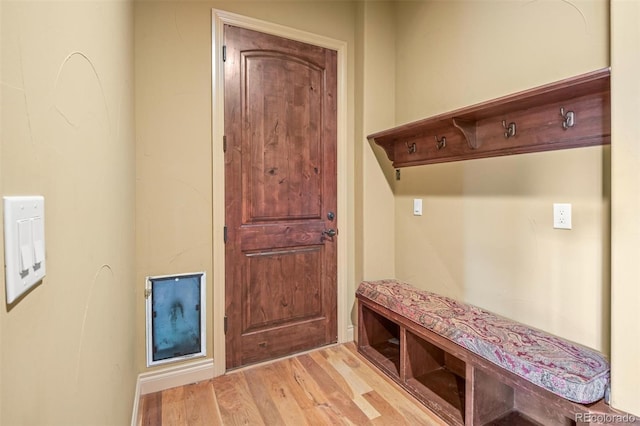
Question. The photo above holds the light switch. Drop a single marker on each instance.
(24, 244)
(417, 206)
(37, 230)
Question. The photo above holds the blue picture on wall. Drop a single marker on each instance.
(175, 318)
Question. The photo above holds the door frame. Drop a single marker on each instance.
(219, 18)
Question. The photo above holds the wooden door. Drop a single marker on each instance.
(280, 194)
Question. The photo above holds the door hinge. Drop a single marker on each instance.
(224, 53)
(226, 324)
(226, 234)
(224, 143)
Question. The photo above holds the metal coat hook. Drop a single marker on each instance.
(510, 130)
(411, 149)
(568, 118)
(441, 143)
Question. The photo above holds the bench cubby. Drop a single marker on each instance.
(380, 341)
(435, 376)
(497, 403)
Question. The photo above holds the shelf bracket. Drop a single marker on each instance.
(468, 130)
(388, 148)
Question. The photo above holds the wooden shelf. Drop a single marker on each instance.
(479, 131)
(447, 385)
(436, 377)
(442, 391)
(389, 350)
(513, 418)
(385, 361)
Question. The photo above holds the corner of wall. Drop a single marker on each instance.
(625, 205)
(2, 283)
(378, 100)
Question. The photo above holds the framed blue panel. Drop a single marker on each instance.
(176, 317)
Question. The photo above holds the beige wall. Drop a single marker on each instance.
(375, 110)
(465, 52)
(68, 134)
(378, 106)
(2, 283)
(486, 235)
(173, 147)
(173, 116)
(625, 208)
(2, 279)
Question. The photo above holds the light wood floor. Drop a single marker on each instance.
(330, 386)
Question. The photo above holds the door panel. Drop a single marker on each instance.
(284, 107)
(280, 185)
(282, 287)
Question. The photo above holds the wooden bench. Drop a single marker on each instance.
(472, 367)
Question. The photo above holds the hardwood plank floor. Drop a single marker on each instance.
(330, 386)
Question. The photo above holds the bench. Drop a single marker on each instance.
(472, 367)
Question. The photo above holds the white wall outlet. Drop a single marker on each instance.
(562, 216)
(417, 206)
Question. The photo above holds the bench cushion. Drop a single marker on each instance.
(567, 369)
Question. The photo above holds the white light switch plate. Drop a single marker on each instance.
(24, 247)
(417, 206)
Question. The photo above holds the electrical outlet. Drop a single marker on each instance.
(562, 216)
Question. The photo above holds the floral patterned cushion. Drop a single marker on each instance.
(567, 369)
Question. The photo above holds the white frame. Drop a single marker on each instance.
(346, 220)
(203, 317)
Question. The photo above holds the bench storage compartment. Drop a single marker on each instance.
(381, 342)
(435, 377)
(472, 367)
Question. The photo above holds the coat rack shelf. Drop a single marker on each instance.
(571, 113)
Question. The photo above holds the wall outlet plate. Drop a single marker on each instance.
(562, 216)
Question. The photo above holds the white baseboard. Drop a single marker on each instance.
(136, 404)
(350, 334)
(156, 381)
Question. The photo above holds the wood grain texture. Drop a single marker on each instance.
(201, 405)
(173, 408)
(330, 386)
(477, 131)
(280, 185)
(150, 410)
(492, 398)
(466, 389)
